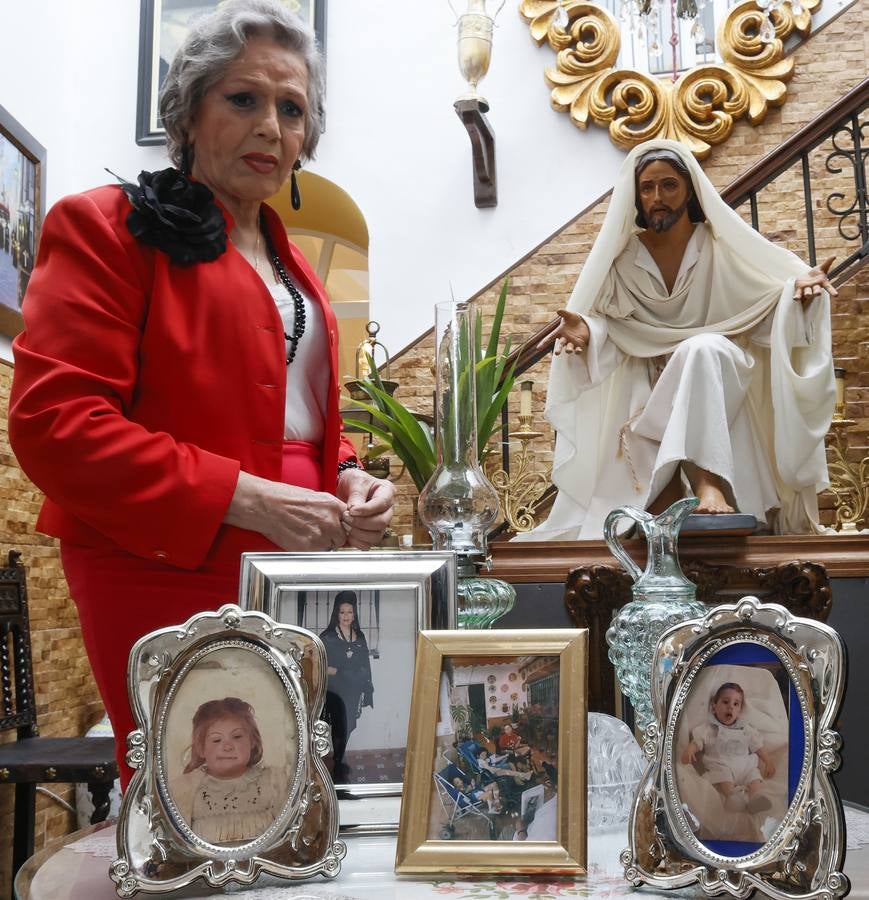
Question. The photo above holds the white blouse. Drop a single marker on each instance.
(308, 373)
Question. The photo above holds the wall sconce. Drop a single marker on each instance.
(475, 51)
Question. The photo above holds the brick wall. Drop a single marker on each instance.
(67, 701)
(827, 66)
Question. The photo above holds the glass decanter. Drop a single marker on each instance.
(662, 596)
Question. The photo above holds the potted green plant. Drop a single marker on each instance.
(409, 436)
(470, 725)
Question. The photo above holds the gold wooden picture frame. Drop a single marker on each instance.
(482, 798)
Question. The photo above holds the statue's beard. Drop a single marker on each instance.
(668, 220)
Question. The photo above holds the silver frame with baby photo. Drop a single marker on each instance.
(227, 710)
(738, 797)
(394, 596)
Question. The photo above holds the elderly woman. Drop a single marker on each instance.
(175, 393)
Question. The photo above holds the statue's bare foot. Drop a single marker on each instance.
(710, 491)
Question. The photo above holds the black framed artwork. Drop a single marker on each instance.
(163, 26)
(22, 208)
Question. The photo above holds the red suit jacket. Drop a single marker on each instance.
(142, 387)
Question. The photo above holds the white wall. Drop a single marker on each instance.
(393, 141)
(69, 72)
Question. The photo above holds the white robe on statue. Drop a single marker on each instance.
(747, 387)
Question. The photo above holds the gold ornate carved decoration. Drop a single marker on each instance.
(699, 108)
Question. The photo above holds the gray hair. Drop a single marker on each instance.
(217, 39)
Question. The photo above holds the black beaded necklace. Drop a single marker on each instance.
(298, 300)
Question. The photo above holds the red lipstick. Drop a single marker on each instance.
(264, 163)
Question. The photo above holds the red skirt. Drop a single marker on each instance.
(121, 597)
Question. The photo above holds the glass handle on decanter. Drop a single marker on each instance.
(610, 533)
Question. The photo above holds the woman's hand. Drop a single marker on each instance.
(369, 504)
(572, 334)
(293, 518)
(814, 281)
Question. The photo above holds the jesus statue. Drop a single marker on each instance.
(694, 357)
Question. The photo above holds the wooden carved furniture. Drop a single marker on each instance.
(594, 593)
(32, 759)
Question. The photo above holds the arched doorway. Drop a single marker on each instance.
(331, 231)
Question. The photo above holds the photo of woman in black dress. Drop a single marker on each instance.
(350, 687)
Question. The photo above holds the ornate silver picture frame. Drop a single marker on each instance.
(387, 597)
(229, 779)
(738, 796)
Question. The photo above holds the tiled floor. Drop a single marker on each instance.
(375, 766)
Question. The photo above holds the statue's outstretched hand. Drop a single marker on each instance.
(572, 334)
(814, 281)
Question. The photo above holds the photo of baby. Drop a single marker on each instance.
(732, 754)
(230, 748)
(734, 758)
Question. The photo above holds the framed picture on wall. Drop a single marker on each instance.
(22, 208)
(163, 25)
(367, 608)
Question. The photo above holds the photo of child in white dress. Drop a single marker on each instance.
(731, 753)
(226, 794)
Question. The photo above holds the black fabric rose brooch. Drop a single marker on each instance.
(176, 215)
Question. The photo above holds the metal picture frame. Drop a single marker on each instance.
(229, 780)
(444, 790)
(163, 25)
(22, 210)
(395, 595)
(732, 822)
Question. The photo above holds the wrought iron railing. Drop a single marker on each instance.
(844, 125)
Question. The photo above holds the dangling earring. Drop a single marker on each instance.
(186, 160)
(295, 196)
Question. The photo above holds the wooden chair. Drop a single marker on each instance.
(32, 759)
(594, 593)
